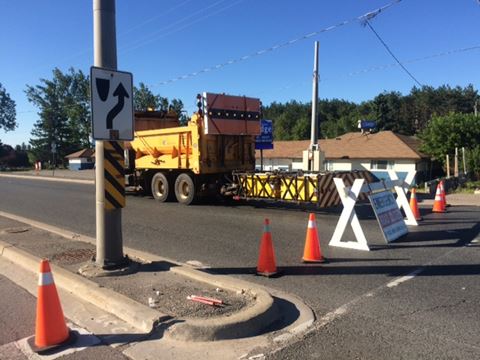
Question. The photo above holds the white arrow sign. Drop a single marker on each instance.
(112, 104)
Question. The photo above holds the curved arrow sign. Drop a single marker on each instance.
(121, 94)
(111, 103)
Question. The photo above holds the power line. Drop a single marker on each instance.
(160, 33)
(390, 51)
(428, 57)
(362, 71)
(278, 46)
(376, 68)
(134, 45)
(156, 17)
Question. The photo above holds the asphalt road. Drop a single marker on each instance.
(432, 314)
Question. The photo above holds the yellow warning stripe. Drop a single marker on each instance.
(114, 174)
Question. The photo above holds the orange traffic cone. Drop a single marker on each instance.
(444, 195)
(50, 327)
(438, 203)
(312, 252)
(266, 259)
(414, 205)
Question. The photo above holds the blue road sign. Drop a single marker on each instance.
(368, 124)
(264, 141)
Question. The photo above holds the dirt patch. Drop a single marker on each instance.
(73, 256)
(166, 291)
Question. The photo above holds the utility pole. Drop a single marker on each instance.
(314, 125)
(448, 166)
(109, 253)
(455, 166)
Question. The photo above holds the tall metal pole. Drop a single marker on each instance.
(314, 121)
(448, 166)
(314, 132)
(108, 222)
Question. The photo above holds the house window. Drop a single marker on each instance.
(381, 164)
(328, 165)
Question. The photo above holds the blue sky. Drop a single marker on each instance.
(164, 39)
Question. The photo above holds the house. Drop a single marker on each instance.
(377, 152)
(81, 160)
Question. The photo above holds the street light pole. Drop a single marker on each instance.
(314, 119)
(108, 222)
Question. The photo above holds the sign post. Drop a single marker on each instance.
(112, 120)
(54, 160)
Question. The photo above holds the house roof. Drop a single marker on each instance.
(84, 153)
(354, 145)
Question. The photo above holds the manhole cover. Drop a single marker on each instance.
(74, 256)
(16, 230)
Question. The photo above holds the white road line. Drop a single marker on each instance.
(402, 279)
(45, 178)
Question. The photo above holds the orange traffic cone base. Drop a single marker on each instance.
(313, 261)
(267, 274)
(45, 350)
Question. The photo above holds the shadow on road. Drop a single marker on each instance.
(327, 270)
(414, 239)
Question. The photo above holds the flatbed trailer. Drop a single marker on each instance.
(299, 187)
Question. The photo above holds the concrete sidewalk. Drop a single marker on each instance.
(455, 199)
(154, 298)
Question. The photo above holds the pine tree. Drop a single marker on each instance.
(64, 114)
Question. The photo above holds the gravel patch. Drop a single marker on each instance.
(168, 292)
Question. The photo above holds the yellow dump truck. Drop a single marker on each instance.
(189, 162)
(214, 154)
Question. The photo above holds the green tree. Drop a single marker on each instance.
(177, 106)
(426, 102)
(444, 133)
(7, 111)
(337, 117)
(13, 158)
(291, 121)
(144, 99)
(64, 114)
(406, 114)
(473, 161)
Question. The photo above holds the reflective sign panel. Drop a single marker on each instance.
(231, 115)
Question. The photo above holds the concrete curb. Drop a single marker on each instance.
(248, 322)
(49, 178)
(136, 314)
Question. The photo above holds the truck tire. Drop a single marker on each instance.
(161, 187)
(185, 189)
